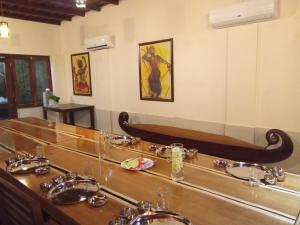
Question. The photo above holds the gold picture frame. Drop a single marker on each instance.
(156, 70)
(81, 74)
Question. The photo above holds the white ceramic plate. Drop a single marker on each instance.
(137, 164)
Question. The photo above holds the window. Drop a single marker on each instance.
(3, 90)
(31, 75)
(22, 75)
(41, 79)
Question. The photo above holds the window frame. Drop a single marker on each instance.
(10, 87)
(12, 73)
(7, 83)
(48, 75)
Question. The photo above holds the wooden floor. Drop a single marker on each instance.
(207, 195)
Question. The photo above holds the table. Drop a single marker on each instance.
(206, 196)
(70, 109)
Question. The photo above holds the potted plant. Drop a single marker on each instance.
(53, 101)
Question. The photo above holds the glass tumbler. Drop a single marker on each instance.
(161, 199)
(40, 151)
(104, 146)
(253, 176)
(177, 162)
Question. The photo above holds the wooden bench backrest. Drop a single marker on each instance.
(18, 208)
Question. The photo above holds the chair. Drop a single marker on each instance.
(18, 208)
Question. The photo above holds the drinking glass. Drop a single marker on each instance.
(253, 176)
(139, 146)
(177, 162)
(104, 146)
(161, 200)
(176, 145)
(40, 151)
(88, 170)
(105, 170)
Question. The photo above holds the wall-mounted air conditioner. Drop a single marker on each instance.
(246, 12)
(98, 43)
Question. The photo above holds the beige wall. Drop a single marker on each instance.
(266, 56)
(240, 76)
(246, 75)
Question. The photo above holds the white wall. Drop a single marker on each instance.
(243, 76)
(263, 72)
(240, 76)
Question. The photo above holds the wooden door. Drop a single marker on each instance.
(7, 96)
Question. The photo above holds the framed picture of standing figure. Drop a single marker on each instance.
(81, 74)
(156, 70)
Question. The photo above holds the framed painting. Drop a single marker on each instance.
(81, 74)
(156, 70)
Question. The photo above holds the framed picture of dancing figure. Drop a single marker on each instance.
(81, 74)
(156, 70)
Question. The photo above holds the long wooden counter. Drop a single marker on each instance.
(206, 196)
(90, 139)
(82, 213)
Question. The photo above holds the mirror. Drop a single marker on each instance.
(160, 218)
(239, 81)
(243, 171)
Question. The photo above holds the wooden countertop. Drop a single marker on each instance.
(69, 107)
(90, 137)
(207, 195)
(81, 213)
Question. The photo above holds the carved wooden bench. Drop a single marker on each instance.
(213, 144)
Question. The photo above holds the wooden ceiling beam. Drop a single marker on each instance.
(45, 8)
(70, 4)
(94, 6)
(29, 18)
(35, 13)
(50, 11)
(18, 13)
(115, 2)
(97, 5)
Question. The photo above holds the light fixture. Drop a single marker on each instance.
(80, 3)
(4, 31)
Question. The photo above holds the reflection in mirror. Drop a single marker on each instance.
(40, 70)
(3, 89)
(279, 146)
(4, 114)
(23, 81)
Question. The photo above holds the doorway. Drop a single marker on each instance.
(7, 103)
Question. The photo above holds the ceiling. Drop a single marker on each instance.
(49, 11)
